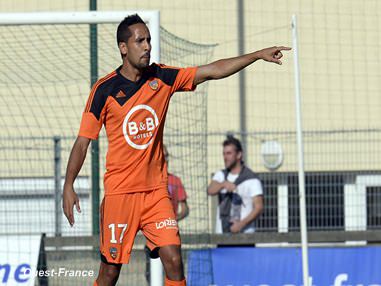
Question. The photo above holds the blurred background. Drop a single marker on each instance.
(46, 72)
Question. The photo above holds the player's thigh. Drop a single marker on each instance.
(119, 223)
(159, 223)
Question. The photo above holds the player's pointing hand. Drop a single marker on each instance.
(273, 54)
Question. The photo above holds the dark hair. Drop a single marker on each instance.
(123, 33)
(231, 140)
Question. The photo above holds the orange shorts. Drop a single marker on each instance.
(122, 216)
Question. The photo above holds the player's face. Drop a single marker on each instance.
(138, 47)
(231, 156)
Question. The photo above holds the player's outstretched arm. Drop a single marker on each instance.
(76, 159)
(226, 67)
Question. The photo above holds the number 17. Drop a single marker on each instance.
(112, 227)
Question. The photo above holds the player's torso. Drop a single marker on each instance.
(134, 122)
(133, 117)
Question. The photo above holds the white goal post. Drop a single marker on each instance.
(151, 17)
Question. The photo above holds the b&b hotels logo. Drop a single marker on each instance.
(139, 126)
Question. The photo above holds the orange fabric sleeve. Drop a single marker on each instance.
(93, 116)
(90, 126)
(184, 79)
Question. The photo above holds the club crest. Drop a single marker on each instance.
(113, 252)
(154, 84)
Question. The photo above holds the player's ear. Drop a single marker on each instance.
(123, 48)
(240, 155)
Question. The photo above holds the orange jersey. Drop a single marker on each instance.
(133, 114)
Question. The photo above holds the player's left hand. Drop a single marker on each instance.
(273, 54)
(236, 226)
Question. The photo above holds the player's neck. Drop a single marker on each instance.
(130, 72)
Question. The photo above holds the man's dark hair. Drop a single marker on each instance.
(123, 33)
(231, 140)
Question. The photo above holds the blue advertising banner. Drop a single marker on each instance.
(18, 259)
(355, 266)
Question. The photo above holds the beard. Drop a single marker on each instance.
(231, 165)
(140, 63)
(143, 64)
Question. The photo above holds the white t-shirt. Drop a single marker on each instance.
(247, 190)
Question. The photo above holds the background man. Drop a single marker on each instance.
(240, 194)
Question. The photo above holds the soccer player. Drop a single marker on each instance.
(132, 102)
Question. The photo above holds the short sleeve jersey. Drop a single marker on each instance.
(133, 114)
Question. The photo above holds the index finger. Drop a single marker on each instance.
(283, 48)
